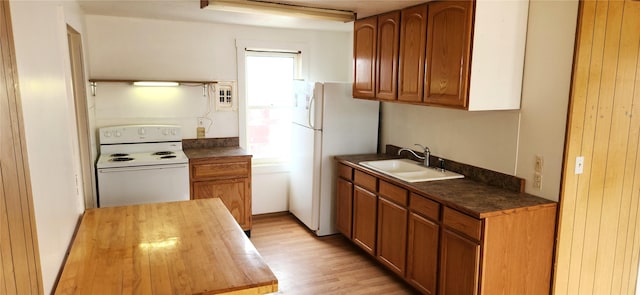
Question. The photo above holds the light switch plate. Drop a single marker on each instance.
(579, 165)
(539, 164)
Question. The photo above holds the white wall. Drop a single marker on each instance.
(42, 54)
(130, 48)
(270, 189)
(545, 92)
(121, 104)
(483, 139)
(506, 141)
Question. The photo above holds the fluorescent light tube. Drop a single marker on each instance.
(292, 10)
(156, 83)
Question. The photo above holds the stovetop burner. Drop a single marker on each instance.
(162, 153)
(137, 155)
(121, 159)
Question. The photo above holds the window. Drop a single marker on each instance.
(269, 77)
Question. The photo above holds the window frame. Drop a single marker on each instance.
(269, 47)
(295, 56)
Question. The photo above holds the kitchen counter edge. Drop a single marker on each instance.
(215, 152)
(471, 197)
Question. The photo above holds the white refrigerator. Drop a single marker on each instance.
(327, 122)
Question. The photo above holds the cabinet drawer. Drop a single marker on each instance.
(365, 180)
(217, 170)
(393, 193)
(345, 171)
(462, 223)
(425, 207)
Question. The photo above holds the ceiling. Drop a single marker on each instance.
(189, 10)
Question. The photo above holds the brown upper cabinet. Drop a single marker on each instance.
(387, 59)
(456, 54)
(448, 50)
(413, 39)
(365, 33)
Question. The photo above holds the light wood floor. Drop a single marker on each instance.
(306, 264)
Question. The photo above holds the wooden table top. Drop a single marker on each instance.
(187, 247)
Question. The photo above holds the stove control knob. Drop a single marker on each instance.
(142, 131)
(165, 131)
(174, 132)
(118, 133)
(107, 133)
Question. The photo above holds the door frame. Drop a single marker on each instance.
(87, 178)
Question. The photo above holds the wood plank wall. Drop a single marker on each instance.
(19, 260)
(599, 234)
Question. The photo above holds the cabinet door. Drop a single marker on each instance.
(422, 253)
(364, 53)
(413, 36)
(387, 61)
(234, 193)
(459, 263)
(392, 235)
(344, 206)
(364, 219)
(448, 52)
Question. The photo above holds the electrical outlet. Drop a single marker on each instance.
(200, 122)
(537, 181)
(539, 164)
(200, 132)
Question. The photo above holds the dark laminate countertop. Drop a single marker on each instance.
(215, 152)
(203, 148)
(472, 197)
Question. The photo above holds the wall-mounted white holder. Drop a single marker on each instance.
(226, 96)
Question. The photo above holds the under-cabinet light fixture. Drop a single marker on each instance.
(204, 84)
(156, 83)
(273, 8)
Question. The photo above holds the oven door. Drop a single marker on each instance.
(143, 184)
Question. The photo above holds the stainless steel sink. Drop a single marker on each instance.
(409, 171)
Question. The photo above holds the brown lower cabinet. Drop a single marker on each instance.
(424, 238)
(392, 235)
(440, 250)
(364, 219)
(344, 206)
(392, 227)
(460, 258)
(227, 178)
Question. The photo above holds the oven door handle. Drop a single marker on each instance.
(141, 168)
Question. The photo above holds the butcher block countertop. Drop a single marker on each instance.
(472, 197)
(186, 247)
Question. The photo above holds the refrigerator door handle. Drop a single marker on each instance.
(311, 109)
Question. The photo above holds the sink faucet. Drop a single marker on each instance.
(427, 154)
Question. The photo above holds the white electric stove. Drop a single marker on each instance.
(141, 164)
